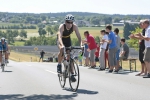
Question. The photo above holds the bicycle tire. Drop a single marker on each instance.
(3, 64)
(3, 68)
(62, 78)
(78, 76)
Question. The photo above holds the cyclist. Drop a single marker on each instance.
(5, 48)
(64, 40)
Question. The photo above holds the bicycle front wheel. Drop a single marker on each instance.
(74, 72)
(62, 77)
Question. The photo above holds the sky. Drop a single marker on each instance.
(96, 6)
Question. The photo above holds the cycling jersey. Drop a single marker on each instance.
(3, 46)
(66, 36)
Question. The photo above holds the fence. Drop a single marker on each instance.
(52, 51)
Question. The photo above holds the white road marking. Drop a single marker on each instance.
(50, 71)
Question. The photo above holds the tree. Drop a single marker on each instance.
(40, 25)
(44, 32)
(116, 19)
(55, 27)
(95, 20)
(28, 43)
(40, 31)
(75, 42)
(127, 30)
(134, 42)
(43, 17)
(23, 33)
(29, 19)
(49, 30)
(97, 39)
(108, 20)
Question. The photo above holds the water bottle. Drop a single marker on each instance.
(65, 62)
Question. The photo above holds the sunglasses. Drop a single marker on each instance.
(69, 22)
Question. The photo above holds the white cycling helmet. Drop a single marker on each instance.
(69, 17)
(2, 39)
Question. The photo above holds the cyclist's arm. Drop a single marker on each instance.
(8, 48)
(78, 34)
(60, 33)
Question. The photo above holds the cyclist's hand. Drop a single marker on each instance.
(88, 50)
(62, 46)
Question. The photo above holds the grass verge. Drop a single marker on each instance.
(15, 56)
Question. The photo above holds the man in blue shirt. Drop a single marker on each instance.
(112, 49)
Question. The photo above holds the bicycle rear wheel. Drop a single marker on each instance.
(74, 70)
(3, 64)
(62, 77)
(3, 68)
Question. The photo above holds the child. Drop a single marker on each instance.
(80, 56)
(97, 53)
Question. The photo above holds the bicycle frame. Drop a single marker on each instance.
(70, 68)
(71, 53)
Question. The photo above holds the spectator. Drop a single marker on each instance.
(125, 51)
(112, 49)
(86, 55)
(80, 57)
(42, 55)
(141, 49)
(146, 25)
(97, 53)
(106, 55)
(102, 50)
(116, 31)
(92, 47)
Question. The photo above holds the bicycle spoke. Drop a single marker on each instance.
(74, 85)
(62, 78)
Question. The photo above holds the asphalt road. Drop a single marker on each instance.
(39, 81)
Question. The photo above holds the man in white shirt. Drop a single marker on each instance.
(102, 50)
(146, 25)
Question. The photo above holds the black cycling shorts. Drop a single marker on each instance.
(66, 42)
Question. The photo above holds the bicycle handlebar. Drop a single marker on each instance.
(71, 48)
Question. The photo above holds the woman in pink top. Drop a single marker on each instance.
(92, 47)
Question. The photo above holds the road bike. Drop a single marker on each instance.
(70, 67)
(3, 63)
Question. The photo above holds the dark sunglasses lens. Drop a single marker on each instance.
(69, 22)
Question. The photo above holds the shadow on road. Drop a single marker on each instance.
(125, 72)
(82, 91)
(37, 97)
(8, 71)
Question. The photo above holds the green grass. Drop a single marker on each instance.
(6, 24)
(95, 31)
(23, 57)
(11, 24)
(19, 43)
(28, 30)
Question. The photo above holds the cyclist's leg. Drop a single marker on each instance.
(6, 57)
(60, 54)
(60, 57)
(73, 79)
